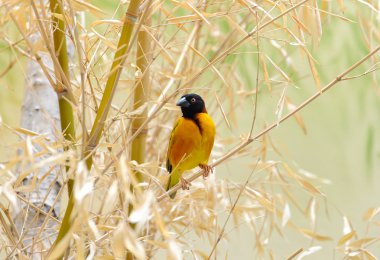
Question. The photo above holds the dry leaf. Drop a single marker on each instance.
(371, 213)
(314, 235)
(346, 237)
(358, 244)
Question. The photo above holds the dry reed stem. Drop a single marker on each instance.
(141, 91)
(299, 251)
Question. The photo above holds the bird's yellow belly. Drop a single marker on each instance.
(191, 161)
(191, 143)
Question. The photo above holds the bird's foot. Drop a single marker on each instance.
(206, 170)
(185, 184)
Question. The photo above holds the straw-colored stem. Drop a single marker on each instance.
(141, 94)
(113, 78)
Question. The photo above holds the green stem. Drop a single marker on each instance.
(66, 221)
(60, 48)
(113, 79)
(65, 107)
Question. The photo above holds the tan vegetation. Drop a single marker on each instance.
(116, 105)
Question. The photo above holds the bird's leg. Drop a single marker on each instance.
(185, 184)
(206, 169)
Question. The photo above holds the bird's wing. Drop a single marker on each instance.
(208, 133)
(184, 139)
(169, 166)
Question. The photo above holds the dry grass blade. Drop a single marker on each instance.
(314, 235)
(344, 239)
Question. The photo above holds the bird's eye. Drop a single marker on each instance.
(192, 100)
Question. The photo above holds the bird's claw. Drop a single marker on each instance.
(206, 170)
(185, 184)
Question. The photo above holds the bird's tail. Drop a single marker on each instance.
(173, 180)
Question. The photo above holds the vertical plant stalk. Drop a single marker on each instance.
(141, 94)
(65, 107)
(113, 78)
(60, 48)
(105, 104)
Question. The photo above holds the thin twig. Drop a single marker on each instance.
(231, 211)
(295, 254)
(360, 75)
(257, 77)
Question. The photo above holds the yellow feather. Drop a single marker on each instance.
(190, 144)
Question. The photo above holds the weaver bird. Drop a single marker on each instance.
(191, 141)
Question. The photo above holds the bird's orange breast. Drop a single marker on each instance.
(191, 142)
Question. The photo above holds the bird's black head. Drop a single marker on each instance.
(191, 104)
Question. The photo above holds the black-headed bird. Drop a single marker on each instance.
(191, 141)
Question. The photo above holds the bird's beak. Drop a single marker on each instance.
(183, 102)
